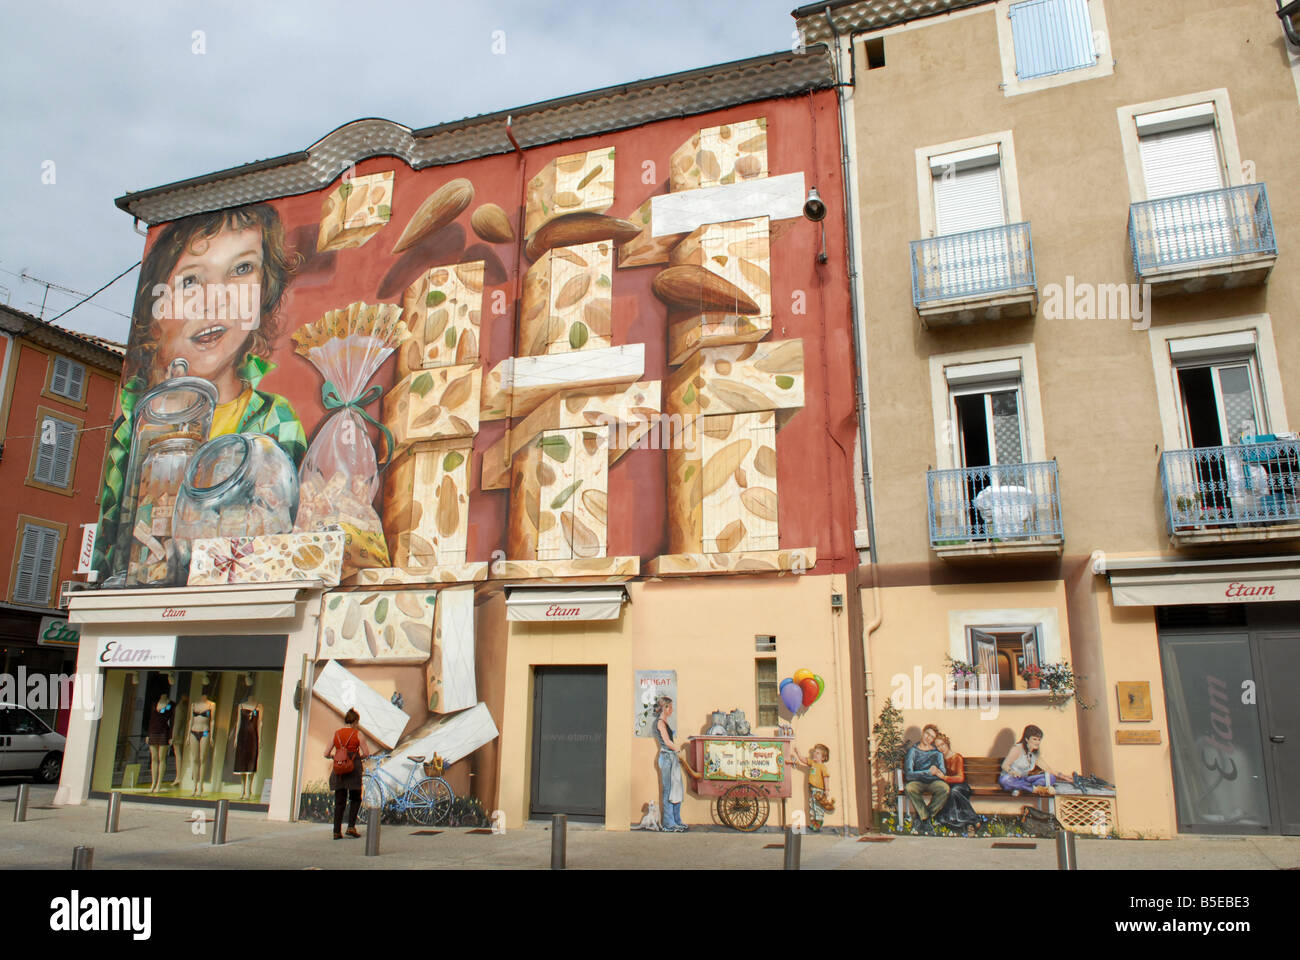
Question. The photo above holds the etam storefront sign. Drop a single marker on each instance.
(136, 652)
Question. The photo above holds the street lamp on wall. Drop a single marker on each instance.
(815, 210)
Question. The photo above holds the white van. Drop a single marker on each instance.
(28, 746)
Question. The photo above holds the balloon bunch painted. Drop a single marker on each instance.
(802, 690)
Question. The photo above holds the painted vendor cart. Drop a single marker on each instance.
(741, 773)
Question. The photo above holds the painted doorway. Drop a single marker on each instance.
(568, 768)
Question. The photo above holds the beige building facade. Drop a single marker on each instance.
(1080, 352)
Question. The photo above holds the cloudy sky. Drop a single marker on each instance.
(97, 99)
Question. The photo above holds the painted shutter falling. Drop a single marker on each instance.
(969, 199)
(1181, 161)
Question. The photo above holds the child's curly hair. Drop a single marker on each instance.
(181, 236)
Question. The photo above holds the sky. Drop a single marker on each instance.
(100, 98)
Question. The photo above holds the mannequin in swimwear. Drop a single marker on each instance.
(201, 731)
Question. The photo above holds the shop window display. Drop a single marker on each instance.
(179, 734)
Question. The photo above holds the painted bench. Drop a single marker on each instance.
(982, 778)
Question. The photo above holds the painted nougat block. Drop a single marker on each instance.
(559, 497)
(798, 560)
(740, 253)
(646, 248)
(567, 300)
(443, 573)
(341, 690)
(442, 310)
(267, 559)
(452, 738)
(392, 626)
(449, 674)
(426, 504)
(738, 482)
(588, 570)
(741, 378)
(517, 386)
(355, 211)
(627, 412)
(685, 509)
(721, 155)
(574, 183)
(437, 404)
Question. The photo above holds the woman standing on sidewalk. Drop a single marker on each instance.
(670, 770)
(348, 747)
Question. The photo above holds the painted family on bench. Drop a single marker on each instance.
(935, 778)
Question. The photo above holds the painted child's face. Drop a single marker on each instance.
(222, 274)
(819, 756)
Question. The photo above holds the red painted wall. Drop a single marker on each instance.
(815, 450)
(22, 433)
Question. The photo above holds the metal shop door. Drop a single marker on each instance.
(1279, 659)
(568, 771)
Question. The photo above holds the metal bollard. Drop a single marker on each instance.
(792, 840)
(372, 832)
(219, 824)
(114, 812)
(1066, 858)
(83, 858)
(20, 802)
(559, 841)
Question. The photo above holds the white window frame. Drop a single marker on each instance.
(1218, 342)
(1235, 172)
(1006, 146)
(1013, 86)
(972, 656)
(999, 359)
(1016, 386)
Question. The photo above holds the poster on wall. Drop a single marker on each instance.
(648, 686)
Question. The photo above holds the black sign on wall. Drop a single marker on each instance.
(241, 652)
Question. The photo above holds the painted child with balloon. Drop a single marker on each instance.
(799, 693)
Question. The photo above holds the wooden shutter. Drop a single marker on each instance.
(68, 379)
(54, 460)
(1051, 36)
(986, 655)
(35, 573)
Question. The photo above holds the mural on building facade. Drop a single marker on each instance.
(394, 425)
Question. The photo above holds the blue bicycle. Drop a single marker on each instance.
(425, 800)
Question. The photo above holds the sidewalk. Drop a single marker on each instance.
(153, 837)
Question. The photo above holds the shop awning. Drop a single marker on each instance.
(548, 604)
(1159, 581)
(181, 605)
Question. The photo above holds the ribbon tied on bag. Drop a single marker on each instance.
(333, 400)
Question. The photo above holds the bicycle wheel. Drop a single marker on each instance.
(429, 801)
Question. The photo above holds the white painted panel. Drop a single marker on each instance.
(455, 619)
(778, 198)
(451, 738)
(340, 689)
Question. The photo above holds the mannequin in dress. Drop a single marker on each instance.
(247, 740)
(161, 719)
(201, 730)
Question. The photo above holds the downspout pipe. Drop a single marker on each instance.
(867, 629)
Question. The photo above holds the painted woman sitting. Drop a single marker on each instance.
(1018, 768)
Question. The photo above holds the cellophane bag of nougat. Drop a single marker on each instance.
(339, 477)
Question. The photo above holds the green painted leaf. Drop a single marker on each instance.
(381, 610)
(450, 338)
(384, 210)
(689, 396)
(434, 298)
(611, 154)
(578, 335)
(565, 494)
(690, 472)
(345, 189)
(334, 603)
(422, 385)
(556, 447)
(785, 382)
(431, 599)
(602, 281)
(452, 460)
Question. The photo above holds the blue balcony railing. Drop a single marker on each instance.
(1013, 502)
(1198, 228)
(1243, 485)
(981, 263)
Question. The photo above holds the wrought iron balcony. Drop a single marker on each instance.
(1216, 238)
(979, 275)
(995, 509)
(1244, 491)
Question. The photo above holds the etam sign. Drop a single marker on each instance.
(136, 652)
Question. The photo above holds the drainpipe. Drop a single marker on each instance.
(862, 403)
(1285, 13)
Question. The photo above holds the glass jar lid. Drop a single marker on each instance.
(218, 467)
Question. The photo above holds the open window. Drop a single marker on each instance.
(1003, 655)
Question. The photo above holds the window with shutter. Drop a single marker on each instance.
(1051, 36)
(968, 193)
(1180, 156)
(34, 574)
(54, 459)
(68, 379)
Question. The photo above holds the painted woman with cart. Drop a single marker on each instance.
(670, 770)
